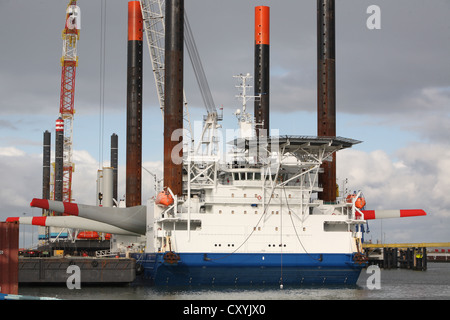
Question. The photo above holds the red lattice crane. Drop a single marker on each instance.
(69, 63)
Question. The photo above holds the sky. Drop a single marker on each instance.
(392, 93)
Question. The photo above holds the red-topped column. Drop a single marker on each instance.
(134, 105)
(262, 69)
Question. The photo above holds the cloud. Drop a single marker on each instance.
(19, 180)
(11, 152)
(85, 177)
(5, 124)
(84, 187)
(430, 114)
(376, 70)
(418, 178)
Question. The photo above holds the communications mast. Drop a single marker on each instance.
(69, 63)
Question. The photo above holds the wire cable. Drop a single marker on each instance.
(266, 206)
(198, 67)
(102, 81)
(295, 229)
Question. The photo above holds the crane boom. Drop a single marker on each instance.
(153, 15)
(69, 62)
(198, 67)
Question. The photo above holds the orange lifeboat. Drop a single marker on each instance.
(88, 235)
(360, 202)
(164, 198)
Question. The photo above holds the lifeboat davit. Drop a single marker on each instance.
(88, 235)
(350, 198)
(164, 198)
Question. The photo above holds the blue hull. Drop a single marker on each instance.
(247, 269)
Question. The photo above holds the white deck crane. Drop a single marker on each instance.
(153, 16)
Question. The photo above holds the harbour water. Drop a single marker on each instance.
(401, 284)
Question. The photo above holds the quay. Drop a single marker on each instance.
(54, 270)
(413, 256)
(21, 269)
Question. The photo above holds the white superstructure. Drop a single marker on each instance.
(270, 206)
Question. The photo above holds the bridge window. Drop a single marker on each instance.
(247, 176)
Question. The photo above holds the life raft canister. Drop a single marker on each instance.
(164, 198)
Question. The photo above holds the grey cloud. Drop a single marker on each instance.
(375, 69)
